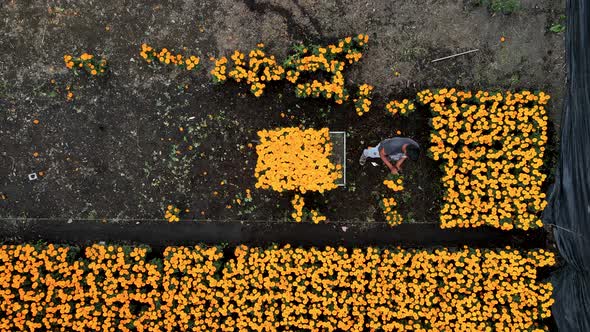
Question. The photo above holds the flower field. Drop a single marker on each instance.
(492, 147)
(109, 287)
(200, 165)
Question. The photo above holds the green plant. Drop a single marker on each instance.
(502, 6)
(558, 27)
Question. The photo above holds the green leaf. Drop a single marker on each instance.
(557, 28)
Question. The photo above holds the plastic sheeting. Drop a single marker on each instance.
(569, 200)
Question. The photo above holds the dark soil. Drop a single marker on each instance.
(159, 235)
(111, 153)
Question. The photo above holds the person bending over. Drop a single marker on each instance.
(394, 152)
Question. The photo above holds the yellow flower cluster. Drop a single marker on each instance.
(114, 288)
(298, 204)
(392, 217)
(172, 213)
(219, 72)
(389, 290)
(88, 62)
(301, 214)
(164, 56)
(261, 68)
(316, 217)
(331, 60)
(492, 147)
(404, 107)
(395, 183)
(256, 72)
(362, 103)
(295, 159)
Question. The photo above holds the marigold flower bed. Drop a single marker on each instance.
(116, 288)
(295, 159)
(308, 61)
(492, 147)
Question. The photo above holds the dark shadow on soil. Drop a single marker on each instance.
(158, 235)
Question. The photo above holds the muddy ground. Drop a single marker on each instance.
(110, 153)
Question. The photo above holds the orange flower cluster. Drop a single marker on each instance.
(219, 72)
(298, 204)
(316, 217)
(94, 66)
(362, 103)
(172, 213)
(114, 288)
(301, 214)
(390, 290)
(164, 56)
(331, 60)
(261, 68)
(70, 94)
(256, 72)
(492, 147)
(295, 159)
(392, 217)
(404, 107)
(395, 183)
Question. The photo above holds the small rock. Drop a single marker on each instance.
(344, 228)
(70, 221)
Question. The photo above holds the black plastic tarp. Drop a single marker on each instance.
(568, 211)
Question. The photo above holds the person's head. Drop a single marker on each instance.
(413, 152)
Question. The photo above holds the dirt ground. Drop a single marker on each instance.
(110, 153)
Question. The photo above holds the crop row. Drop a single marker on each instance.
(115, 288)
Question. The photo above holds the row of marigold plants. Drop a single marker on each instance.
(315, 70)
(491, 145)
(117, 288)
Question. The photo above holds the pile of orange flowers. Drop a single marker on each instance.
(164, 56)
(404, 107)
(172, 213)
(388, 204)
(362, 103)
(295, 159)
(259, 70)
(92, 65)
(49, 288)
(492, 147)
